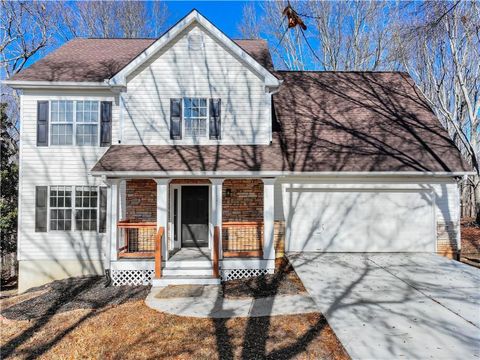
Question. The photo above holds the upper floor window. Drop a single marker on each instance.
(74, 122)
(195, 117)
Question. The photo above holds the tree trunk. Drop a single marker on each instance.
(476, 192)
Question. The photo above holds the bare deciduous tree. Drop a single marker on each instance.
(440, 48)
(353, 35)
(437, 42)
(110, 19)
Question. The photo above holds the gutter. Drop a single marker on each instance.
(330, 174)
(22, 84)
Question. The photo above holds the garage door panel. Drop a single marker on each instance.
(359, 221)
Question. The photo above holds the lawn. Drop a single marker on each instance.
(80, 318)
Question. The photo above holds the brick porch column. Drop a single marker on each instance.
(162, 212)
(217, 186)
(268, 218)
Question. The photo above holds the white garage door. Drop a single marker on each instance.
(360, 221)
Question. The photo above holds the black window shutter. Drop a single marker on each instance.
(41, 201)
(106, 123)
(175, 119)
(102, 227)
(42, 123)
(215, 123)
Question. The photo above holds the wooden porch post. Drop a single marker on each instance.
(268, 219)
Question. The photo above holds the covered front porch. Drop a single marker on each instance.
(172, 230)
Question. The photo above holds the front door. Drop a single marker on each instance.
(194, 216)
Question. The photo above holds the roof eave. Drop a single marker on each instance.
(437, 174)
(28, 84)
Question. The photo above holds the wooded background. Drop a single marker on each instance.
(436, 42)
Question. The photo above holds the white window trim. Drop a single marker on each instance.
(73, 208)
(50, 208)
(207, 119)
(74, 123)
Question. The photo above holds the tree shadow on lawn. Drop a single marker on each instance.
(234, 337)
(62, 296)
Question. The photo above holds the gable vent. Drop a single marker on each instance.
(195, 42)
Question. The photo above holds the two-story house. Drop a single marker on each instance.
(190, 159)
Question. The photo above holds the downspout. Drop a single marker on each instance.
(270, 90)
(107, 258)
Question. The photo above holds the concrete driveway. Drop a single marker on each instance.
(390, 306)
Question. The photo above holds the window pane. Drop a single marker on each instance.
(87, 134)
(62, 134)
(86, 209)
(195, 117)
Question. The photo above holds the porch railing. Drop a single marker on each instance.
(158, 252)
(242, 239)
(137, 239)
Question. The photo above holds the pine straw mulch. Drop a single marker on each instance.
(470, 237)
(112, 323)
(283, 282)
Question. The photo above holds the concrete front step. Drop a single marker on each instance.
(194, 271)
(185, 280)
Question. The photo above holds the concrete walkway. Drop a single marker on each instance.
(396, 306)
(207, 302)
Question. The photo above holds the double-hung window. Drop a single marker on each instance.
(195, 117)
(86, 202)
(60, 208)
(63, 209)
(74, 122)
(87, 115)
(62, 122)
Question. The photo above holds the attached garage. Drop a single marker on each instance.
(356, 219)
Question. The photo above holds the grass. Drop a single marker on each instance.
(131, 330)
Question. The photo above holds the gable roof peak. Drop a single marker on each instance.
(194, 16)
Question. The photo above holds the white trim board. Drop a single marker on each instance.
(334, 174)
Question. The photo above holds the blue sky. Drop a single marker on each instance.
(224, 14)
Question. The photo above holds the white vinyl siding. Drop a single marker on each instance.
(56, 166)
(210, 72)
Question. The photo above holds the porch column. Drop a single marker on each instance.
(268, 221)
(162, 211)
(113, 216)
(217, 185)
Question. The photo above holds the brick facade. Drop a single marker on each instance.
(242, 203)
(141, 200)
(242, 200)
(447, 239)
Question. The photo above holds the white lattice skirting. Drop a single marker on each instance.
(132, 277)
(234, 274)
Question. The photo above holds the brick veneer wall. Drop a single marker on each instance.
(242, 203)
(245, 200)
(279, 238)
(447, 239)
(141, 200)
